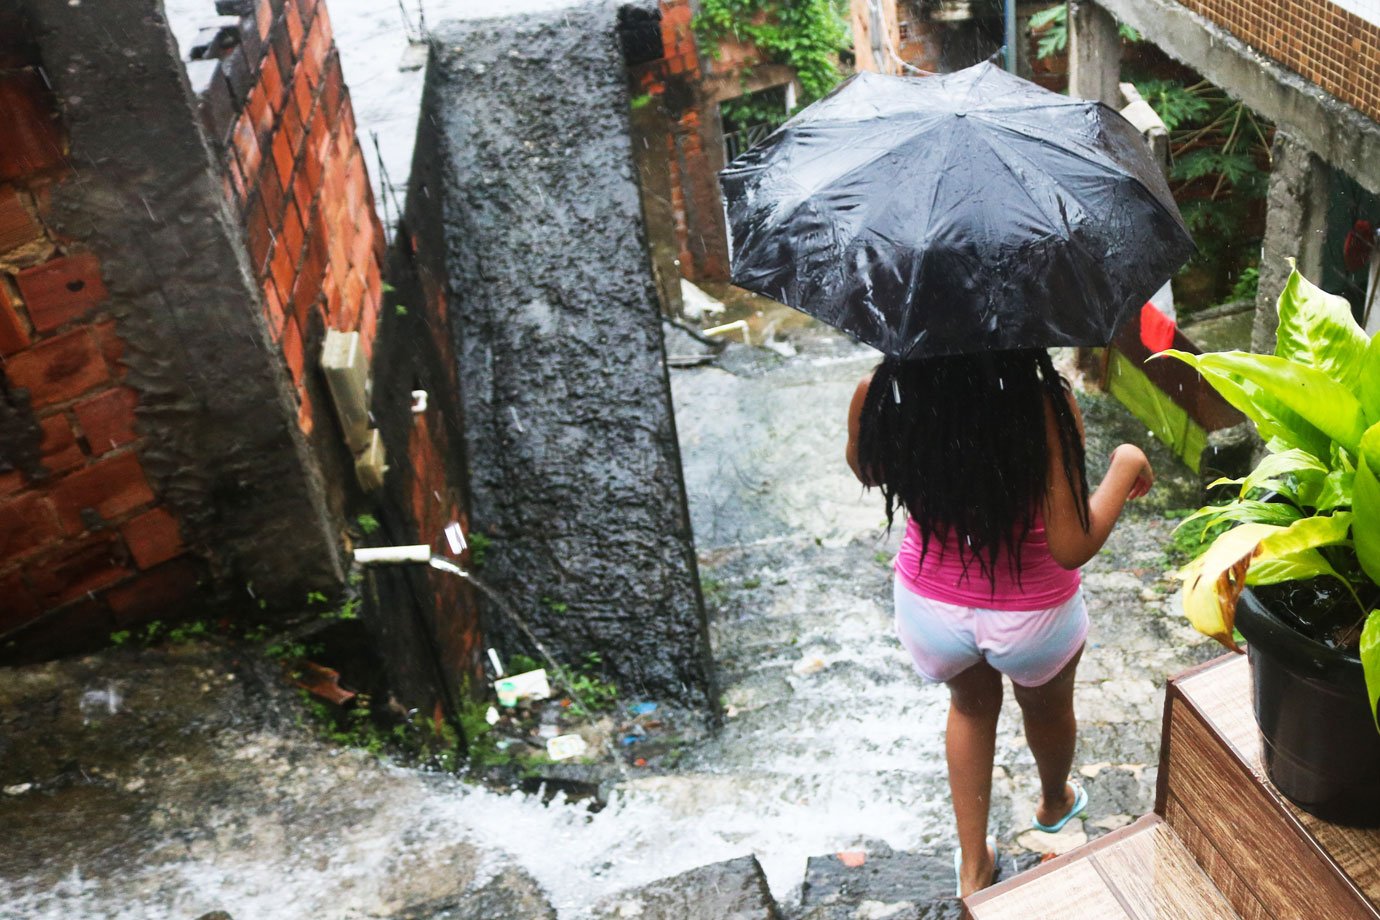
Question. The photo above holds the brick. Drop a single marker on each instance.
(295, 128)
(78, 567)
(283, 270)
(107, 419)
(330, 290)
(282, 156)
(334, 89)
(293, 234)
(111, 345)
(259, 110)
(61, 290)
(361, 246)
(59, 450)
(263, 18)
(14, 330)
(302, 191)
(20, 603)
(19, 229)
(27, 522)
(60, 368)
(293, 351)
(258, 235)
(306, 9)
(354, 300)
(155, 594)
(301, 92)
(107, 489)
(304, 295)
(152, 537)
(246, 146)
(293, 20)
(274, 309)
(81, 626)
(271, 82)
(314, 261)
(11, 482)
(274, 193)
(33, 135)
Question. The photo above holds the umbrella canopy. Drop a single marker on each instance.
(956, 213)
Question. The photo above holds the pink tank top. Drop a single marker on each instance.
(1044, 583)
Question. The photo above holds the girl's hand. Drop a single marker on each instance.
(1133, 456)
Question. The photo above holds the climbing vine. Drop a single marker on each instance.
(804, 35)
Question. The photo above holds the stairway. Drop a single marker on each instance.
(1222, 843)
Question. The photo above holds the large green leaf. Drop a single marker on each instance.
(1308, 533)
(1295, 473)
(1366, 505)
(1370, 659)
(1296, 567)
(1277, 423)
(1316, 328)
(1368, 386)
(1311, 394)
(1334, 491)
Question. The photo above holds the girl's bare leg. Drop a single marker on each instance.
(1051, 729)
(970, 744)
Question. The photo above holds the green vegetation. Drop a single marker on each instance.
(367, 524)
(1219, 154)
(479, 546)
(1052, 25)
(804, 35)
(1311, 508)
(417, 740)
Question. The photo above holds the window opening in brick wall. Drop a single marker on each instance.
(748, 119)
(1351, 212)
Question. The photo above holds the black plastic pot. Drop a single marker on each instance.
(1322, 750)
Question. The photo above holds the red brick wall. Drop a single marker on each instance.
(85, 544)
(280, 113)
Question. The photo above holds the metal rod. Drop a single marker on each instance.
(1009, 14)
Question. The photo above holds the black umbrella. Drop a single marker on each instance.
(955, 213)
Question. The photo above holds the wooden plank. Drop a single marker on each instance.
(1058, 863)
(1159, 880)
(1222, 696)
(1075, 892)
(1239, 892)
(1250, 828)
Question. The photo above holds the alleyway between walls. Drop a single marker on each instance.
(170, 782)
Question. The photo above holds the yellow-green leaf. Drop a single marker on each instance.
(1295, 567)
(1370, 660)
(1312, 395)
(1214, 580)
(1308, 533)
(1276, 422)
(1365, 504)
(1317, 329)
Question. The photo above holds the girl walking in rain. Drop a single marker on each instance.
(985, 454)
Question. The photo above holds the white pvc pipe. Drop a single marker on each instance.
(418, 553)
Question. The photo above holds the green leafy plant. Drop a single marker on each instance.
(479, 545)
(804, 35)
(1051, 24)
(367, 524)
(1311, 509)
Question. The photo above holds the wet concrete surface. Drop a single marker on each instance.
(206, 789)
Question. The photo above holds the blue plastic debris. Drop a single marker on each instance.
(630, 740)
(642, 709)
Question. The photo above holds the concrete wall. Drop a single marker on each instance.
(573, 465)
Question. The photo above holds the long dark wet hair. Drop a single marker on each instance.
(959, 442)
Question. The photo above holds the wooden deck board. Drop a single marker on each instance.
(1238, 892)
(1141, 873)
(1159, 880)
(1222, 695)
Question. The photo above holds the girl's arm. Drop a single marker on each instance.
(1128, 477)
(855, 409)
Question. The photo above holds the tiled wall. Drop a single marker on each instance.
(85, 545)
(1336, 49)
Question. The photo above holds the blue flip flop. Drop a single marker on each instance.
(1080, 803)
(958, 865)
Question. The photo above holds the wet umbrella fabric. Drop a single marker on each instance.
(953, 214)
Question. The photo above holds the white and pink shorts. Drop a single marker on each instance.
(1029, 646)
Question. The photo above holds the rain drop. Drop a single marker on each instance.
(895, 391)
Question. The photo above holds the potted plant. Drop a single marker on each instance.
(1292, 560)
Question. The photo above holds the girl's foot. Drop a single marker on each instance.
(975, 875)
(1051, 812)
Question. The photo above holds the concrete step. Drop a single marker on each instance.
(1141, 871)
